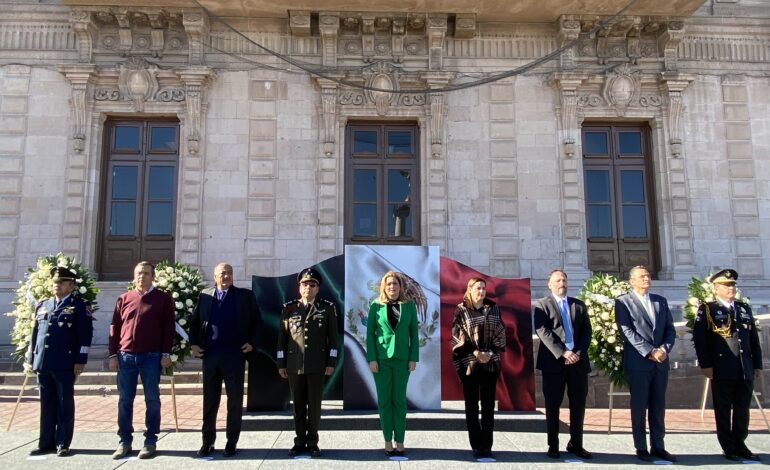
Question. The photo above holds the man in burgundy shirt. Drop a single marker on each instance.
(141, 336)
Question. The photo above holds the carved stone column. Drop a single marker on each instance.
(196, 25)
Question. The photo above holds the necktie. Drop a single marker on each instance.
(567, 324)
(650, 309)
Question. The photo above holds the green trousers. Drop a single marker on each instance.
(391, 397)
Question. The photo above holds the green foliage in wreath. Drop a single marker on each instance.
(606, 349)
(700, 291)
(36, 287)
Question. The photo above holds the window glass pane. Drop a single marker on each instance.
(630, 143)
(399, 220)
(364, 220)
(159, 218)
(399, 142)
(634, 222)
(365, 186)
(599, 222)
(632, 186)
(595, 143)
(163, 139)
(124, 182)
(399, 185)
(122, 218)
(127, 138)
(161, 183)
(365, 142)
(598, 186)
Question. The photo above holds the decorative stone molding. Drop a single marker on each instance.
(195, 79)
(465, 25)
(196, 25)
(568, 84)
(382, 77)
(674, 84)
(329, 24)
(436, 80)
(85, 30)
(668, 41)
(622, 87)
(627, 39)
(437, 28)
(328, 114)
(79, 76)
(569, 30)
(299, 22)
(137, 81)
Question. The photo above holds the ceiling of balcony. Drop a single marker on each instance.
(486, 10)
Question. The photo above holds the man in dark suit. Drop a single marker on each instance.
(647, 328)
(727, 345)
(223, 329)
(58, 352)
(564, 330)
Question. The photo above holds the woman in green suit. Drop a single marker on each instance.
(392, 349)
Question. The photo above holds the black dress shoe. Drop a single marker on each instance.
(553, 453)
(296, 450)
(230, 450)
(63, 452)
(42, 451)
(644, 455)
(662, 454)
(488, 453)
(579, 452)
(733, 457)
(399, 453)
(314, 451)
(477, 453)
(748, 455)
(205, 450)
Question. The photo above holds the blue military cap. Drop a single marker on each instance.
(725, 276)
(60, 273)
(309, 274)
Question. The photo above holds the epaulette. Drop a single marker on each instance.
(327, 302)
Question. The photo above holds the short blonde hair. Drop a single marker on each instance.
(383, 298)
(467, 297)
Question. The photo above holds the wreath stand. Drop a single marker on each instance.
(707, 382)
(612, 394)
(18, 401)
(170, 376)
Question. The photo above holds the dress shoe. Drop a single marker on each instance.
(579, 452)
(399, 453)
(733, 457)
(42, 451)
(147, 452)
(748, 455)
(205, 450)
(662, 454)
(553, 453)
(296, 450)
(314, 451)
(63, 452)
(478, 453)
(230, 450)
(644, 455)
(487, 453)
(121, 452)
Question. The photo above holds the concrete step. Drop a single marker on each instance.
(104, 390)
(98, 378)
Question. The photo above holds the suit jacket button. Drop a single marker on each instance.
(48, 334)
(46, 345)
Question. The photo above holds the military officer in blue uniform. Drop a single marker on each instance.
(727, 345)
(58, 352)
(307, 352)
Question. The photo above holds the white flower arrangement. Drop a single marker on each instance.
(37, 286)
(606, 348)
(183, 283)
(700, 291)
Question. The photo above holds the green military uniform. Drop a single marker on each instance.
(307, 345)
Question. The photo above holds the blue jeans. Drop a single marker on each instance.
(132, 366)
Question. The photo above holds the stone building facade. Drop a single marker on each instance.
(256, 106)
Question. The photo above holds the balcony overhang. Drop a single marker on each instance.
(486, 11)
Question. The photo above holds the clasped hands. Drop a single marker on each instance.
(658, 355)
(483, 356)
(571, 357)
(197, 351)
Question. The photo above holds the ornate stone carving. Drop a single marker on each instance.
(79, 76)
(622, 87)
(168, 95)
(569, 30)
(383, 78)
(106, 94)
(125, 35)
(137, 81)
(675, 84)
(590, 100)
(465, 25)
(85, 31)
(195, 79)
(299, 22)
(436, 80)
(437, 27)
(668, 41)
(328, 114)
(196, 25)
(568, 84)
(367, 37)
(398, 31)
(329, 24)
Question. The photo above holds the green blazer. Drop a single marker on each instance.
(383, 342)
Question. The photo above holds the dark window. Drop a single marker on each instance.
(139, 204)
(382, 171)
(619, 209)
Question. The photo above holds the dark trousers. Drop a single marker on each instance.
(216, 369)
(480, 385)
(57, 407)
(575, 379)
(306, 393)
(732, 399)
(648, 400)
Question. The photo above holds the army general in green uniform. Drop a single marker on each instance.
(727, 345)
(307, 351)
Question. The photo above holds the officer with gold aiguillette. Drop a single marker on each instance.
(727, 345)
(307, 351)
(58, 352)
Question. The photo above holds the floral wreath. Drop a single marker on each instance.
(701, 291)
(183, 283)
(606, 349)
(37, 286)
